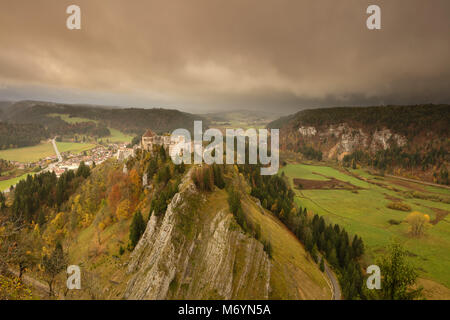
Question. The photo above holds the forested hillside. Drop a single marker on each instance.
(406, 140)
(183, 235)
(16, 135)
(128, 120)
(405, 120)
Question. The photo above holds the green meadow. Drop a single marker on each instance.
(74, 147)
(6, 184)
(68, 119)
(115, 137)
(42, 150)
(28, 154)
(365, 212)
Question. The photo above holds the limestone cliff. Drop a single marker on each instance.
(338, 131)
(341, 139)
(197, 251)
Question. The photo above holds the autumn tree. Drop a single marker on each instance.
(114, 197)
(53, 265)
(17, 247)
(418, 223)
(22, 253)
(123, 209)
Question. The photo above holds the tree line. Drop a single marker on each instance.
(35, 194)
(399, 157)
(332, 241)
(405, 120)
(17, 135)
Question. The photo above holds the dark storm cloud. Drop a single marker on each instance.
(227, 54)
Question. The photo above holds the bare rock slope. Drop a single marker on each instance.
(197, 251)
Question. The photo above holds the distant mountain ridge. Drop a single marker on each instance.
(128, 120)
(241, 115)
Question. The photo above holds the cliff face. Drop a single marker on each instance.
(416, 129)
(338, 140)
(197, 251)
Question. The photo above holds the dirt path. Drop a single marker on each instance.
(38, 285)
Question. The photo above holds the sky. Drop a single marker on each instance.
(217, 55)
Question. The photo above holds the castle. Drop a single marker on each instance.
(149, 139)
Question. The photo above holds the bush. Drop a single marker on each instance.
(399, 206)
(268, 248)
(394, 222)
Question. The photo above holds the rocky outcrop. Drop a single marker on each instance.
(307, 131)
(337, 140)
(193, 252)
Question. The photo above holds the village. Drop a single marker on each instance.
(64, 161)
(121, 151)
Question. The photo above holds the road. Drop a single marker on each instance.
(334, 282)
(60, 159)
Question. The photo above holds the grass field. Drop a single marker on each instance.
(42, 150)
(28, 154)
(74, 147)
(115, 137)
(365, 213)
(68, 119)
(6, 184)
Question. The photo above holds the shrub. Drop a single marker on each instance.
(399, 206)
(418, 223)
(268, 248)
(394, 222)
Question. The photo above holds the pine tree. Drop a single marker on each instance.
(83, 170)
(41, 218)
(137, 228)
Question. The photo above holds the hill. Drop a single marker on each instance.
(192, 245)
(411, 139)
(128, 120)
(21, 134)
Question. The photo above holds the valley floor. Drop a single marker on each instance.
(358, 200)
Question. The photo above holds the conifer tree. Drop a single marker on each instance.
(137, 228)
